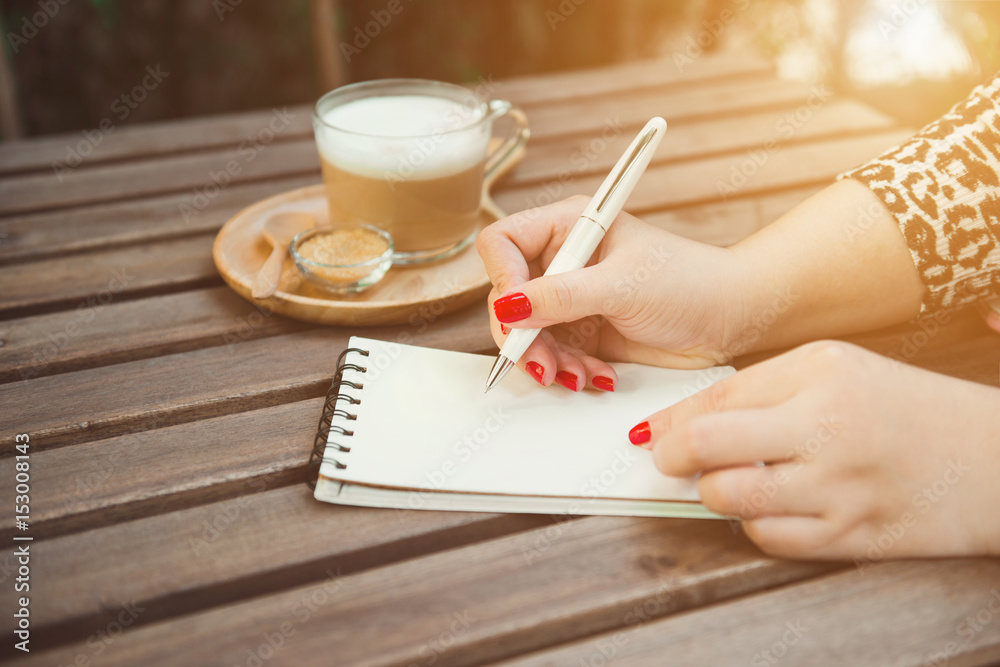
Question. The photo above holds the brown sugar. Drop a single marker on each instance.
(352, 245)
(342, 248)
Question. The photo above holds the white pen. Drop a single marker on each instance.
(588, 231)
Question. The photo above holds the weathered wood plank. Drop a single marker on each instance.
(508, 595)
(196, 134)
(163, 469)
(959, 344)
(902, 613)
(105, 276)
(699, 139)
(664, 186)
(101, 335)
(201, 172)
(718, 178)
(104, 226)
(547, 88)
(260, 542)
(79, 150)
(77, 339)
(698, 101)
(170, 389)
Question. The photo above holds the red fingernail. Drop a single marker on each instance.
(504, 329)
(512, 308)
(567, 379)
(536, 370)
(603, 383)
(639, 435)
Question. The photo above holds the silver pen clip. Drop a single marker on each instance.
(643, 142)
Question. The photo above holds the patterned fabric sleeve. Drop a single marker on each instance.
(943, 188)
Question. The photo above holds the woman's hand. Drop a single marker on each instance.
(866, 458)
(647, 296)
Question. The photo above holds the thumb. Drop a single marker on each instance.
(548, 300)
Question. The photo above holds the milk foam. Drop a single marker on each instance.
(402, 136)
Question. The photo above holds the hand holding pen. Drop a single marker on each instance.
(589, 230)
(648, 296)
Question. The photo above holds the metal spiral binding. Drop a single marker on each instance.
(317, 457)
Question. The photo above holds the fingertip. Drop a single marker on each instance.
(512, 308)
(640, 434)
(569, 380)
(536, 370)
(603, 383)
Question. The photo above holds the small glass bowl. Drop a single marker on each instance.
(342, 278)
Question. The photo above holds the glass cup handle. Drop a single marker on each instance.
(512, 144)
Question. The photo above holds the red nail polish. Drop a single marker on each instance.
(603, 383)
(504, 329)
(536, 370)
(512, 308)
(567, 379)
(639, 435)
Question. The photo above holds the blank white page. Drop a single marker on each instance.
(424, 423)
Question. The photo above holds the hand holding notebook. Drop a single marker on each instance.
(411, 428)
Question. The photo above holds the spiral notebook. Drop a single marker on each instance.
(409, 427)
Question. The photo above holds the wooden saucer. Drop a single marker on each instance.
(407, 293)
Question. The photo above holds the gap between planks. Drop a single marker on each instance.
(172, 137)
(101, 226)
(524, 591)
(118, 332)
(904, 613)
(22, 194)
(257, 544)
(665, 186)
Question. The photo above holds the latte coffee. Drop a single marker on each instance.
(408, 160)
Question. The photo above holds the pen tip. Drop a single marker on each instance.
(500, 368)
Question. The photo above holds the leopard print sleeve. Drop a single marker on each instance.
(943, 188)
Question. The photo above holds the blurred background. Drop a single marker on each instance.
(67, 63)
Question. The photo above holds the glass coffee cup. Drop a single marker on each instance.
(408, 156)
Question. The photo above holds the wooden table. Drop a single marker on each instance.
(170, 421)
